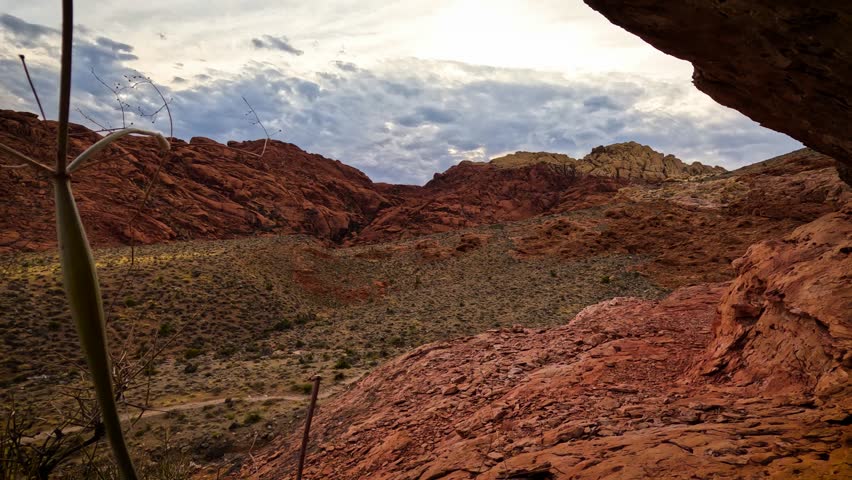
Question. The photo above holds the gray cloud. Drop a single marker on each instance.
(25, 34)
(346, 66)
(275, 43)
(600, 102)
(405, 122)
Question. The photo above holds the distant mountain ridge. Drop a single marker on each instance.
(628, 160)
(207, 190)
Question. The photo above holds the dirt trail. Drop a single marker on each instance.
(157, 411)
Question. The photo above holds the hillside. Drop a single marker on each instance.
(248, 320)
(255, 273)
(205, 190)
(629, 388)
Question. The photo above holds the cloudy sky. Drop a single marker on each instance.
(398, 89)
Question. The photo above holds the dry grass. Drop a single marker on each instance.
(255, 318)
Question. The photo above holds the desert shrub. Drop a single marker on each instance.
(342, 363)
(165, 329)
(191, 353)
(303, 388)
(605, 279)
(338, 376)
(251, 418)
(305, 317)
(283, 324)
(190, 368)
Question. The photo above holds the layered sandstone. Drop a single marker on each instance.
(201, 189)
(628, 161)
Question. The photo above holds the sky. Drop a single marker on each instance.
(400, 90)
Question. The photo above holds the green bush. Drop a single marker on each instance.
(252, 418)
(165, 330)
(191, 353)
(342, 363)
(303, 388)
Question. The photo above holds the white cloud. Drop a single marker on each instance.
(398, 90)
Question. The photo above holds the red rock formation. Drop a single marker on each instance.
(628, 389)
(206, 190)
(691, 232)
(471, 194)
(786, 63)
(203, 190)
(627, 161)
(786, 322)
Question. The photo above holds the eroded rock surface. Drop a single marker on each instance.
(629, 161)
(690, 232)
(202, 189)
(627, 389)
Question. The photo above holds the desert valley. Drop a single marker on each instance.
(620, 315)
(624, 312)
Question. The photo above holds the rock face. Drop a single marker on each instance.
(627, 161)
(202, 189)
(206, 190)
(634, 161)
(786, 64)
(690, 232)
(786, 322)
(471, 194)
(628, 389)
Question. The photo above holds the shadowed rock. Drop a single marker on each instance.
(786, 63)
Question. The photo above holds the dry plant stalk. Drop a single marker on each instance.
(78, 268)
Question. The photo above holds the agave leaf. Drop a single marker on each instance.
(84, 298)
(112, 137)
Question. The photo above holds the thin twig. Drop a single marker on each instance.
(26, 159)
(32, 87)
(115, 92)
(258, 122)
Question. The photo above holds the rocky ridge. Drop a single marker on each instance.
(206, 190)
(629, 160)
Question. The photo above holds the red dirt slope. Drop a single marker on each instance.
(628, 389)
